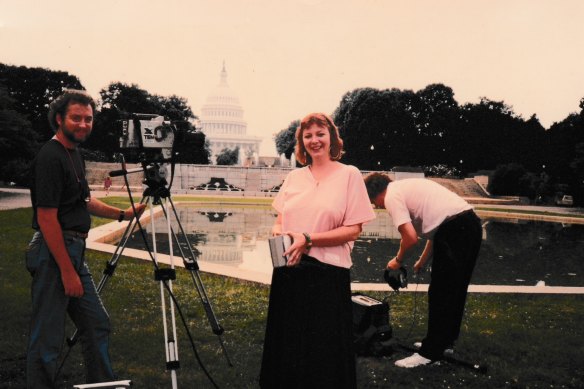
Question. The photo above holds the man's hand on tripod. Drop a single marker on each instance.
(129, 212)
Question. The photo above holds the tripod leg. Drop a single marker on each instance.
(165, 277)
(193, 267)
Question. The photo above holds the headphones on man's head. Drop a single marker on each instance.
(396, 279)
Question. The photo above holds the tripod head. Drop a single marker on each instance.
(155, 176)
(155, 180)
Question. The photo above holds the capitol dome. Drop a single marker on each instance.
(223, 123)
(223, 94)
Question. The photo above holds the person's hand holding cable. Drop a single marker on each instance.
(409, 238)
(427, 253)
(394, 263)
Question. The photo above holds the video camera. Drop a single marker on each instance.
(147, 132)
(396, 279)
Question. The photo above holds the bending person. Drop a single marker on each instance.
(423, 208)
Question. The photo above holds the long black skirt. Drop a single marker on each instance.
(309, 338)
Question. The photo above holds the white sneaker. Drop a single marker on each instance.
(447, 353)
(412, 361)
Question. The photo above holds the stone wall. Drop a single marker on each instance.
(239, 180)
(96, 172)
(228, 180)
(200, 179)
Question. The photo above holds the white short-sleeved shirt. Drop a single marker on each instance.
(424, 203)
(307, 205)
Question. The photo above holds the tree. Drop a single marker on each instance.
(562, 139)
(175, 108)
(18, 142)
(285, 139)
(436, 115)
(577, 166)
(489, 134)
(511, 180)
(32, 90)
(228, 157)
(191, 145)
(377, 127)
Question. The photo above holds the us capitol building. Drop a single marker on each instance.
(224, 127)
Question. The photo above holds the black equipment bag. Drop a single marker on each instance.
(371, 329)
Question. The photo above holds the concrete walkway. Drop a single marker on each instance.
(11, 198)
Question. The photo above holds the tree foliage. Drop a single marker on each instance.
(18, 142)
(509, 179)
(285, 139)
(32, 90)
(377, 127)
(564, 154)
(228, 157)
(191, 146)
(490, 133)
(386, 128)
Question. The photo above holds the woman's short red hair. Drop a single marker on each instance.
(320, 120)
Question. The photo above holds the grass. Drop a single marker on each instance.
(527, 341)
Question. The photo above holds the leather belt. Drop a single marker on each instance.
(77, 234)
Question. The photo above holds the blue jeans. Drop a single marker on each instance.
(49, 309)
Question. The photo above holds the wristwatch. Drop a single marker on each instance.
(308, 240)
(122, 215)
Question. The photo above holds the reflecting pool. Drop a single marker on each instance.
(513, 252)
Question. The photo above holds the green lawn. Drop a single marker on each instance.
(527, 341)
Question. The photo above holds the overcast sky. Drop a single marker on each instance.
(287, 58)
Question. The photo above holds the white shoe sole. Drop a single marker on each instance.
(447, 352)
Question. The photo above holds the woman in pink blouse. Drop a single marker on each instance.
(322, 207)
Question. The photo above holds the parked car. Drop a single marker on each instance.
(566, 200)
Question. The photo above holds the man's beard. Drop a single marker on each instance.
(70, 135)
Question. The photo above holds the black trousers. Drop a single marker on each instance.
(456, 247)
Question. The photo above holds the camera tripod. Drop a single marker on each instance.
(157, 193)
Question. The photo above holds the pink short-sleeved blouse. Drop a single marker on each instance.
(307, 205)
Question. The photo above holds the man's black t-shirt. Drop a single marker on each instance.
(58, 181)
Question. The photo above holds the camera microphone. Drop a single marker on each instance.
(116, 173)
(123, 172)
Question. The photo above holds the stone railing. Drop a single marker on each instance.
(242, 181)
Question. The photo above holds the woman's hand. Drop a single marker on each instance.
(298, 247)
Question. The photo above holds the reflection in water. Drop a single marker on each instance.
(513, 252)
